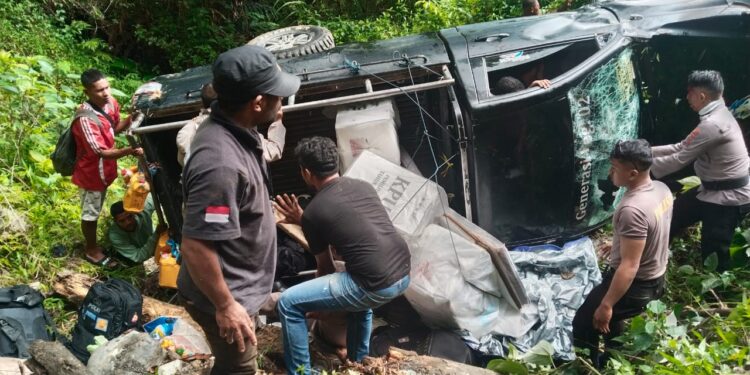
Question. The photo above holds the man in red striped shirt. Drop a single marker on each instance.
(94, 127)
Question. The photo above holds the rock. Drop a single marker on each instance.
(12, 221)
(132, 353)
(13, 366)
(172, 368)
(55, 358)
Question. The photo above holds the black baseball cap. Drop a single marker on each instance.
(244, 72)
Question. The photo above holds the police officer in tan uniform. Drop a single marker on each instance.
(717, 150)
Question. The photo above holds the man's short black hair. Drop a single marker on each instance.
(116, 209)
(90, 77)
(709, 80)
(528, 4)
(208, 95)
(507, 85)
(635, 151)
(318, 155)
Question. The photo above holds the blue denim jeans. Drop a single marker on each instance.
(334, 292)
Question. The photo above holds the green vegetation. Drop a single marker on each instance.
(700, 326)
(185, 33)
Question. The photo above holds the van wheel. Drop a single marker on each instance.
(295, 41)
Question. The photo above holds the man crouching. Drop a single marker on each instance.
(640, 248)
(347, 215)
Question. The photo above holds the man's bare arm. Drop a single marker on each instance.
(205, 271)
(203, 265)
(116, 153)
(123, 124)
(631, 251)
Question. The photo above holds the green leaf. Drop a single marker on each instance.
(642, 342)
(37, 157)
(506, 366)
(23, 84)
(45, 67)
(711, 262)
(710, 283)
(64, 66)
(657, 307)
(650, 327)
(686, 269)
(671, 320)
(540, 354)
(728, 337)
(638, 324)
(677, 331)
(689, 183)
(118, 93)
(10, 89)
(646, 369)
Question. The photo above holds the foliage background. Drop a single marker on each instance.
(699, 327)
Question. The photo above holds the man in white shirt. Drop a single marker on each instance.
(272, 147)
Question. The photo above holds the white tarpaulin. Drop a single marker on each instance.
(454, 284)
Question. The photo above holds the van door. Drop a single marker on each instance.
(541, 156)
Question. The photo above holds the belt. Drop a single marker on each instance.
(730, 184)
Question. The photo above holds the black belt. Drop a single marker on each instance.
(730, 184)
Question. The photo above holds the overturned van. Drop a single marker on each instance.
(528, 166)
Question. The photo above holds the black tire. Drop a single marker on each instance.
(295, 41)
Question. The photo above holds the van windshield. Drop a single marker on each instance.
(543, 169)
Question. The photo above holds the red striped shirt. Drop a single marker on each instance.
(91, 171)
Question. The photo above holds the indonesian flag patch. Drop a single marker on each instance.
(217, 214)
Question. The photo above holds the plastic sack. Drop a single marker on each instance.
(412, 202)
(443, 297)
(187, 337)
(557, 281)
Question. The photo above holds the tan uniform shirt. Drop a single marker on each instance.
(645, 213)
(718, 150)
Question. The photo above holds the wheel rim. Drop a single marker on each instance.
(287, 41)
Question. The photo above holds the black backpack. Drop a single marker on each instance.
(64, 156)
(22, 321)
(109, 309)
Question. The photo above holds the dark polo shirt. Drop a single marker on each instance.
(227, 201)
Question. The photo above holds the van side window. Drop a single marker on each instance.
(531, 66)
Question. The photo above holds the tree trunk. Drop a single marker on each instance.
(406, 361)
(56, 359)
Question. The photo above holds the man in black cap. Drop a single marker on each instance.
(229, 231)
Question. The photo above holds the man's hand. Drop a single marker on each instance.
(543, 83)
(136, 151)
(290, 208)
(602, 316)
(604, 252)
(236, 325)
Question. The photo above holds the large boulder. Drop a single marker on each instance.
(130, 354)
